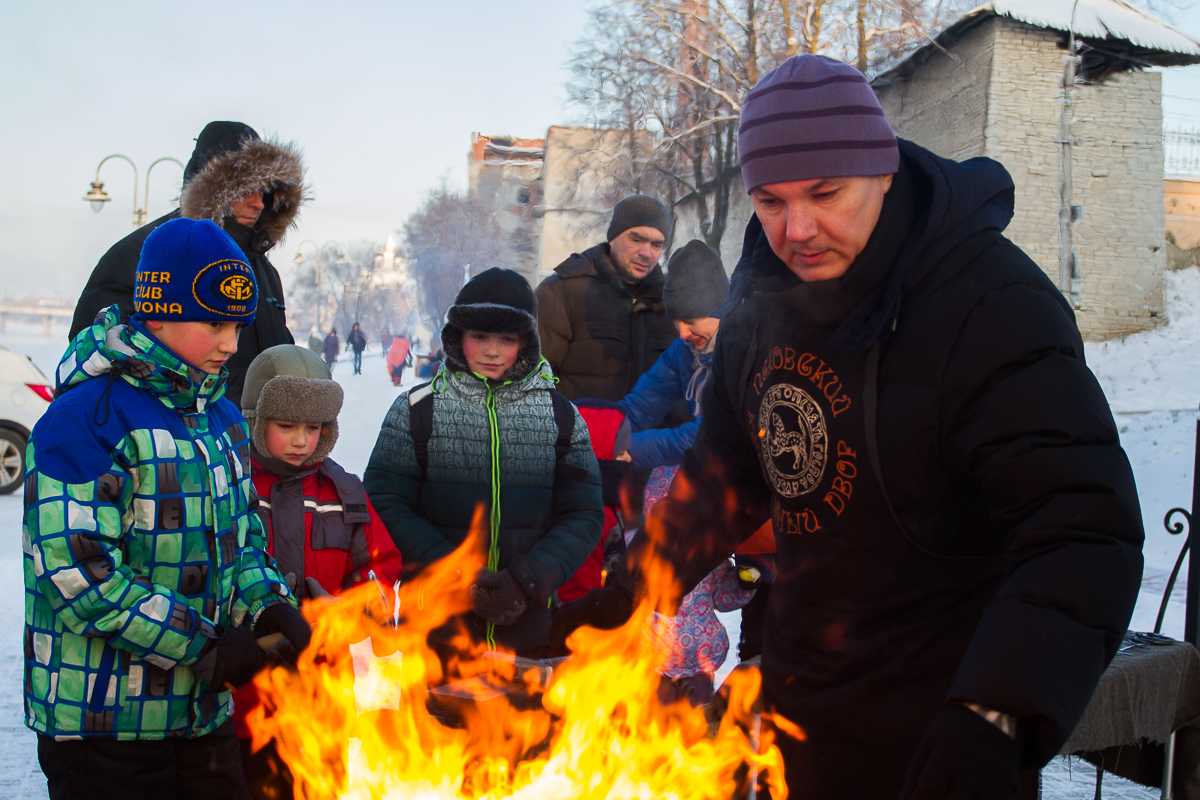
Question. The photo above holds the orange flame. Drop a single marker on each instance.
(356, 725)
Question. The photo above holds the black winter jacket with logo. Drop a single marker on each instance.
(993, 438)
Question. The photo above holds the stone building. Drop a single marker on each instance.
(992, 86)
(502, 172)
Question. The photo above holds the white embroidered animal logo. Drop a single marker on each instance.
(784, 441)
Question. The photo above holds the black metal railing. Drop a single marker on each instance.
(1175, 528)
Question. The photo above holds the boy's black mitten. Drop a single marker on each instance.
(606, 608)
(230, 659)
(497, 597)
(963, 756)
(286, 619)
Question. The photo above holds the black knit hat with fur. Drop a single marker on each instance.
(494, 301)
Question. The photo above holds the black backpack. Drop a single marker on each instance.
(420, 425)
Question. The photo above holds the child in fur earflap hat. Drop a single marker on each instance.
(146, 577)
(321, 527)
(490, 430)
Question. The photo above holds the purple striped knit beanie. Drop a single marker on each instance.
(814, 117)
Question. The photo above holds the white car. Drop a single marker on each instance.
(25, 394)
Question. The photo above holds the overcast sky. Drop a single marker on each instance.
(382, 96)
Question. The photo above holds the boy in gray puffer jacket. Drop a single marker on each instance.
(491, 430)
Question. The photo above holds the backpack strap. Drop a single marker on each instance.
(564, 420)
(420, 422)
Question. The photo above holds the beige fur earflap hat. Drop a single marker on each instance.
(292, 384)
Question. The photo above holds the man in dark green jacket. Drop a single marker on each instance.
(493, 434)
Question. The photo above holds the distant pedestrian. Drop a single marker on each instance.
(385, 338)
(399, 356)
(314, 342)
(330, 348)
(357, 341)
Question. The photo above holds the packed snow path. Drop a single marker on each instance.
(1151, 380)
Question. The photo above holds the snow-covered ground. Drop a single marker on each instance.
(1151, 381)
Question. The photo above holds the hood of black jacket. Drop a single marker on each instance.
(230, 161)
(955, 201)
(597, 262)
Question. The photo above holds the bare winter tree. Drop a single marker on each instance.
(675, 72)
(351, 289)
(449, 238)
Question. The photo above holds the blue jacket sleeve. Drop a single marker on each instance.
(662, 447)
(658, 391)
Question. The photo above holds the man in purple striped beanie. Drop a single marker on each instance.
(903, 393)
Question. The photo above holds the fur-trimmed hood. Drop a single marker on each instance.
(218, 175)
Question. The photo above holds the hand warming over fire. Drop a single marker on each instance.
(286, 619)
(497, 597)
(230, 659)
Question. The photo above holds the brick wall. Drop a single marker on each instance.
(998, 97)
(1117, 173)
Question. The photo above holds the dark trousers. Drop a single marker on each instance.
(267, 776)
(172, 769)
(754, 620)
(358, 362)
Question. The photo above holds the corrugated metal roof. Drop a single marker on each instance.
(1096, 18)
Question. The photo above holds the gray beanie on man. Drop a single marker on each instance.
(696, 282)
(638, 210)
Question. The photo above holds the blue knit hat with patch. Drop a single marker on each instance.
(192, 271)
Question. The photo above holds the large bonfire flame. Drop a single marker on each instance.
(352, 720)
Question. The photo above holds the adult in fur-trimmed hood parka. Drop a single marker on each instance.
(250, 187)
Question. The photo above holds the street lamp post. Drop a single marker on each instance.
(98, 197)
(320, 267)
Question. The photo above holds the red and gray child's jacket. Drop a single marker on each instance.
(320, 524)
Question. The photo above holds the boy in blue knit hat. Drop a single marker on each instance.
(146, 582)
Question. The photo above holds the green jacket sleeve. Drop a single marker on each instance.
(393, 482)
(258, 582)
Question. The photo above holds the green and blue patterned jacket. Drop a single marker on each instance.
(138, 538)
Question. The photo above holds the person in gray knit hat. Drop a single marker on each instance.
(903, 393)
(321, 527)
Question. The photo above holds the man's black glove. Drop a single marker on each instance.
(497, 597)
(230, 659)
(286, 619)
(606, 608)
(963, 757)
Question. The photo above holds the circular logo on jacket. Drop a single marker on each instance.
(227, 288)
(793, 439)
